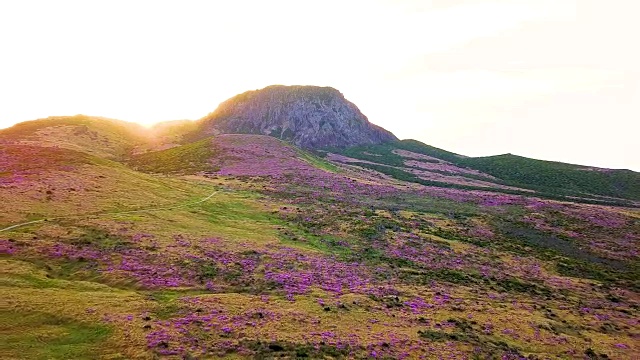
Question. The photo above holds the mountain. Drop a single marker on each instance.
(121, 242)
(308, 116)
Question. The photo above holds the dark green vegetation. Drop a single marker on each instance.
(486, 346)
(281, 349)
(384, 153)
(317, 161)
(549, 179)
(549, 176)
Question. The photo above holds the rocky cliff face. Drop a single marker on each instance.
(308, 116)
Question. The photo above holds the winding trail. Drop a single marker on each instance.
(113, 213)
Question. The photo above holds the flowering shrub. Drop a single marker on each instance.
(342, 264)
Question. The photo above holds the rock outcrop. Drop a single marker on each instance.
(308, 116)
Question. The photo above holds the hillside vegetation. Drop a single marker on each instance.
(184, 159)
(245, 246)
(94, 135)
(549, 179)
(549, 176)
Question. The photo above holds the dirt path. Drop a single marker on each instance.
(112, 213)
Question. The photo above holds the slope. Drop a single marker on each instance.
(413, 161)
(41, 182)
(240, 154)
(551, 176)
(293, 251)
(98, 136)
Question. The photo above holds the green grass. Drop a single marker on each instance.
(383, 153)
(37, 335)
(317, 161)
(486, 347)
(400, 174)
(236, 210)
(167, 303)
(294, 235)
(553, 180)
(234, 215)
(291, 350)
(558, 177)
(101, 239)
(186, 159)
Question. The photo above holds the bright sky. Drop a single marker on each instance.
(549, 79)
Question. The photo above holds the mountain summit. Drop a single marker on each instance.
(308, 116)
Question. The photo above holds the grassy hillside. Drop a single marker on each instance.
(282, 264)
(384, 153)
(185, 159)
(41, 182)
(549, 179)
(213, 153)
(98, 136)
(559, 177)
(242, 246)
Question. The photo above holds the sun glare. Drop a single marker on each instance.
(335, 179)
(425, 69)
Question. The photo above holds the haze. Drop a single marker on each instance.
(555, 80)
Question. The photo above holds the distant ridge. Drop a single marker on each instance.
(311, 117)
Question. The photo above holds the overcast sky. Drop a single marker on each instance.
(549, 79)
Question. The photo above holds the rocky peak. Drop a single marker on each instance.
(308, 116)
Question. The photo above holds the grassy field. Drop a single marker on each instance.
(293, 256)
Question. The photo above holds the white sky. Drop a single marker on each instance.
(549, 79)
